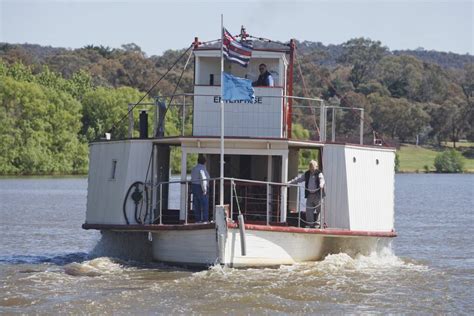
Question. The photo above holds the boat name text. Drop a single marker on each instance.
(256, 100)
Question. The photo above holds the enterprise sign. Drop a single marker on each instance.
(256, 100)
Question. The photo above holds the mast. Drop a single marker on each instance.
(290, 87)
(221, 191)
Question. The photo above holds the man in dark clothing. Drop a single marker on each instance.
(265, 79)
(314, 183)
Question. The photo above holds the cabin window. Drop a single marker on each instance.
(354, 159)
(113, 169)
(376, 161)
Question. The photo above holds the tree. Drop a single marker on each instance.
(398, 118)
(133, 48)
(467, 83)
(38, 128)
(434, 86)
(349, 120)
(449, 161)
(363, 55)
(104, 108)
(299, 132)
(104, 51)
(450, 120)
(401, 75)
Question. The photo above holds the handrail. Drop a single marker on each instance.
(233, 195)
(320, 104)
(228, 178)
(264, 96)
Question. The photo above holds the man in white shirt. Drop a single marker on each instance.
(200, 189)
(314, 184)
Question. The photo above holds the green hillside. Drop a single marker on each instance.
(53, 101)
(415, 158)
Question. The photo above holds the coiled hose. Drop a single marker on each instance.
(137, 197)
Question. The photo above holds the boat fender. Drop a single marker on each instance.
(221, 232)
(221, 248)
(243, 246)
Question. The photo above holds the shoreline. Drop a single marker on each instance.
(43, 176)
(55, 176)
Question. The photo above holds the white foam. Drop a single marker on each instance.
(95, 267)
(381, 259)
(126, 246)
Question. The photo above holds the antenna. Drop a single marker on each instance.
(243, 33)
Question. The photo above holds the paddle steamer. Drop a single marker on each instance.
(259, 222)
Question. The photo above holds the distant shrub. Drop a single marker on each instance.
(449, 161)
(397, 163)
(427, 168)
(468, 152)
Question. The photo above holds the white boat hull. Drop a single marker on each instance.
(263, 248)
(269, 248)
(190, 247)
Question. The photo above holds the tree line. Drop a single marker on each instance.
(404, 98)
(55, 100)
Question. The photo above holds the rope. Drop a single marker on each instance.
(177, 84)
(114, 126)
(145, 183)
(169, 104)
(310, 223)
(314, 207)
(267, 40)
(209, 42)
(305, 91)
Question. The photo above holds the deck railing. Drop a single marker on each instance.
(318, 116)
(258, 201)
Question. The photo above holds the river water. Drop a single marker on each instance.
(49, 265)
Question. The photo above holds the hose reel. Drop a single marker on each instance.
(138, 194)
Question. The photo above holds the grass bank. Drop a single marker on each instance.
(415, 158)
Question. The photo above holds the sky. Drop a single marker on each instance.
(157, 26)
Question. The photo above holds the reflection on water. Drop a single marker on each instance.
(49, 265)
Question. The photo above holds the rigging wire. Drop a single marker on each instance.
(305, 91)
(209, 42)
(114, 126)
(177, 84)
(152, 152)
(267, 40)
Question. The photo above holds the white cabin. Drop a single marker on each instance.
(262, 118)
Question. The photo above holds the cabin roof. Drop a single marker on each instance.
(236, 142)
(257, 45)
(241, 140)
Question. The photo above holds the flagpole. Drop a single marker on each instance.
(221, 195)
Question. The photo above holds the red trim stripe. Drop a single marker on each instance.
(283, 229)
(326, 232)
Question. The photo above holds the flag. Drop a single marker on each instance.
(237, 89)
(236, 51)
